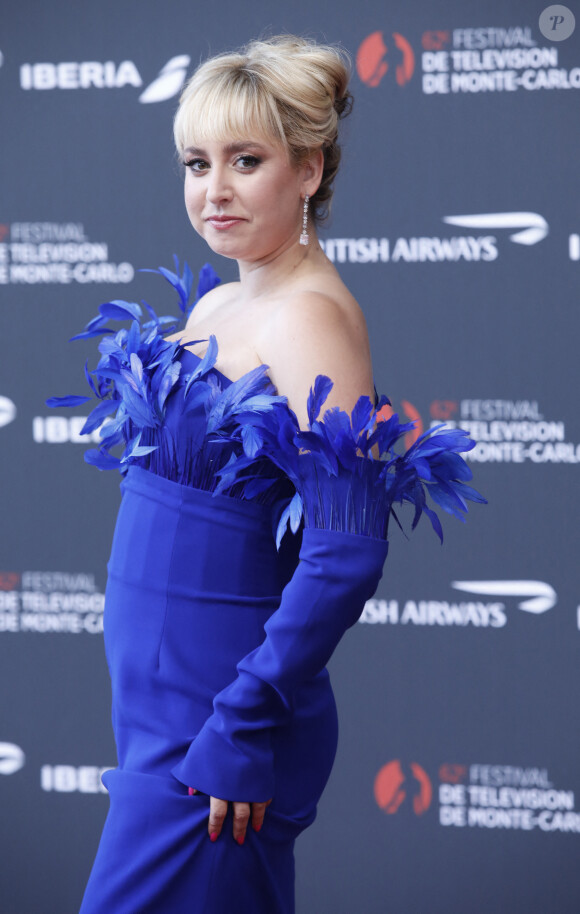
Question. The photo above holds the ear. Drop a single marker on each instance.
(312, 169)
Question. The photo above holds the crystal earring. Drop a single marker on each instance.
(304, 239)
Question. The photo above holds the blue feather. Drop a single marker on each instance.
(95, 418)
(71, 400)
(120, 310)
(318, 396)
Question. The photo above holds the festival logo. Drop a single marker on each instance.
(504, 796)
(33, 253)
(91, 74)
(508, 431)
(12, 758)
(50, 602)
(398, 785)
(480, 795)
(505, 431)
(472, 61)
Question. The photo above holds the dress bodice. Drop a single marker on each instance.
(184, 450)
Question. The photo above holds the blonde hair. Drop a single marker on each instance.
(288, 89)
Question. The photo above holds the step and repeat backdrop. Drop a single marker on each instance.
(456, 224)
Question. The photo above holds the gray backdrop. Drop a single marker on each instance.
(456, 225)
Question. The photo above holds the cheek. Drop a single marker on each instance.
(193, 201)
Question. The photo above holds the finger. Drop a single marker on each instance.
(241, 819)
(258, 813)
(217, 813)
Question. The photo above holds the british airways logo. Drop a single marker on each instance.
(538, 597)
(532, 227)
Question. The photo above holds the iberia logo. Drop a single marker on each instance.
(398, 783)
(372, 62)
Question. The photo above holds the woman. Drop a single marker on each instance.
(217, 637)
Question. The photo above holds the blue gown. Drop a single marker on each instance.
(219, 623)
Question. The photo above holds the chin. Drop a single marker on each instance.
(221, 247)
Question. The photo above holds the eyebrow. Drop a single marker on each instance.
(230, 149)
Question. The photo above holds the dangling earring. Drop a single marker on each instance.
(304, 239)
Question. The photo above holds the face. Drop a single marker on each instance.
(244, 198)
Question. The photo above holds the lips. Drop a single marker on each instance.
(221, 223)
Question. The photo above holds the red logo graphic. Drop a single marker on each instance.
(9, 580)
(4, 229)
(435, 41)
(452, 774)
(393, 786)
(412, 414)
(371, 64)
(443, 409)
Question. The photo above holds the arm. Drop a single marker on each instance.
(231, 757)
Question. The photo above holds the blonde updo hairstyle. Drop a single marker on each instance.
(287, 89)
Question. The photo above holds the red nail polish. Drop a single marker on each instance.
(192, 791)
(214, 836)
(257, 827)
(240, 839)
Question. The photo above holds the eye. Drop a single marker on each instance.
(246, 162)
(197, 165)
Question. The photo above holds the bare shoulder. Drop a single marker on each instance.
(313, 332)
(319, 312)
(212, 300)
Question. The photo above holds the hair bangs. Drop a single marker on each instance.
(230, 107)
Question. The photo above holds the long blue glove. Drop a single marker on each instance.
(231, 757)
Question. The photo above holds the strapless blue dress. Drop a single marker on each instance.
(244, 548)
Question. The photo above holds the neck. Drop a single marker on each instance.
(264, 277)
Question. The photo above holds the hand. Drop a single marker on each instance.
(243, 814)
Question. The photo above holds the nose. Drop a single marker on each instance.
(218, 188)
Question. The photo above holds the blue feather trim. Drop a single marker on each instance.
(342, 473)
